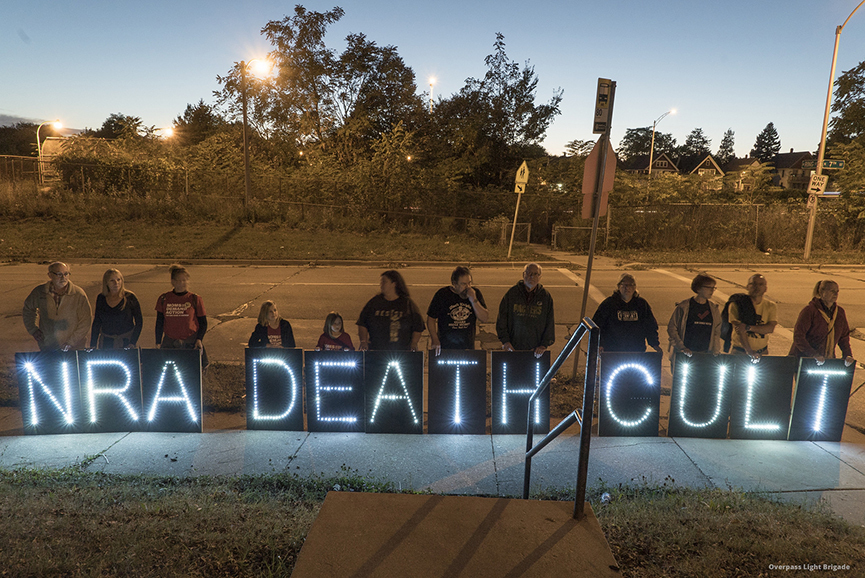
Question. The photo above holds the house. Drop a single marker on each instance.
(661, 163)
(742, 173)
(711, 173)
(789, 173)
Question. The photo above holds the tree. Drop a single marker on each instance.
(579, 148)
(197, 123)
(20, 140)
(767, 144)
(726, 152)
(638, 141)
(493, 123)
(849, 103)
(695, 149)
(118, 125)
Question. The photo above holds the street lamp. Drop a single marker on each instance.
(259, 68)
(812, 203)
(654, 124)
(432, 81)
(57, 126)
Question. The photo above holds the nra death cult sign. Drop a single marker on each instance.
(383, 392)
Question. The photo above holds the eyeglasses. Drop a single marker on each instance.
(709, 287)
(627, 285)
(532, 274)
(58, 274)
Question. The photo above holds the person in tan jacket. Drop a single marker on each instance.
(57, 313)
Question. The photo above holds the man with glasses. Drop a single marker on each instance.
(57, 313)
(695, 325)
(525, 321)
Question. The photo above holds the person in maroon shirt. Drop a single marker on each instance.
(821, 326)
(181, 320)
(334, 337)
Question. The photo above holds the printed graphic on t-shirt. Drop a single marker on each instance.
(177, 309)
(628, 316)
(394, 316)
(460, 314)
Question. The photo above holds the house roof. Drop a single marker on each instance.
(741, 164)
(791, 160)
(708, 162)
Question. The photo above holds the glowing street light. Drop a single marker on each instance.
(809, 235)
(259, 68)
(432, 81)
(652, 147)
(57, 126)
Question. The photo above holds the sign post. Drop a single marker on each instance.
(603, 174)
(816, 188)
(520, 188)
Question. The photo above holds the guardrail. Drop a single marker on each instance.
(584, 417)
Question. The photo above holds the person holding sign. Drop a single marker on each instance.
(181, 321)
(271, 330)
(57, 313)
(526, 320)
(334, 337)
(752, 319)
(821, 326)
(626, 320)
(390, 320)
(695, 325)
(453, 313)
(117, 319)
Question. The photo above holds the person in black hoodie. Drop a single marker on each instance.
(626, 320)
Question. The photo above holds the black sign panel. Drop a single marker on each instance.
(393, 386)
(274, 389)
(760, 407)
(630, 400)
(700, 400)
(49, 393)
(515, 376)
(334, 391)
(820, 400)
(171, 390)
(458, 392)
(111, 390)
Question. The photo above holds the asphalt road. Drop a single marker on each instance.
(233, 294)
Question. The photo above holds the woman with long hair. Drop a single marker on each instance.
(117, 316)
(822, 326)
(390, 320)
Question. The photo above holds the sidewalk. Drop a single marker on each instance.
(476, 465)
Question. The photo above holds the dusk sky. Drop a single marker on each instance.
(731, 64)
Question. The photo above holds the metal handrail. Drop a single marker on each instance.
(586, 327)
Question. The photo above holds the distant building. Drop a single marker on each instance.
(711, 172)
(789, 173)
(741, 173)
(661, 163)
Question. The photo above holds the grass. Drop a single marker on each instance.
(744, 255)
(74, 523)
(40, 239)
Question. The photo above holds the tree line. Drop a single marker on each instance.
(350, 128)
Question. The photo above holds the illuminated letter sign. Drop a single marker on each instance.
(111, 389)
(393, 386)
(515, 377)
(274, 389)
(48, 392)
(171, 390)
(458, 392)
(820, 400)
(760, 406)
(630, 394)
(700, 399)
(334, 391)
